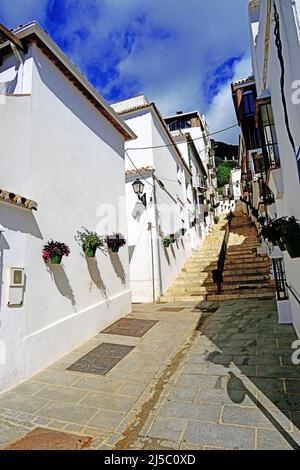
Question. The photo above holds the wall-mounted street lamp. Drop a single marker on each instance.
(138, 188)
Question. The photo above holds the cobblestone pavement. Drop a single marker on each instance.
(196, 380)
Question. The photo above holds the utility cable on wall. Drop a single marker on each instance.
(279, 47)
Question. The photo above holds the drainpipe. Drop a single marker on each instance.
(21, 61)
(157, 236)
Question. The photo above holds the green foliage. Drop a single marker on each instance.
(223, 150)
(223, 171)
(89, 240)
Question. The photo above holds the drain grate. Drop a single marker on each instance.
(130, 327)
(47, 439)
(102, 359)
(203, 322)
(171, 309)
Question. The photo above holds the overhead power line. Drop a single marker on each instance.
(188, 141)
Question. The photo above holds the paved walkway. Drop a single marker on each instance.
(196, 380)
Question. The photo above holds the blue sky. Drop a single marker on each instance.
(180, 54)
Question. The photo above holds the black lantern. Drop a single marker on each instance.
(138, 188)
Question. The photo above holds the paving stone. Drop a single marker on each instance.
(23, 403)
(281, 401)
(72, 413)
(28, 388)
(292, 386)
(225, 396)
(219, 435)
(199, 411)
(10, 435)
(109, 402)
(241, 415)
(131, 389)
(68, 394)
(275, 440)
(184, 394)
(56, 377)
(107, 420)
(165, 428)
(99, 384)
(281, 372)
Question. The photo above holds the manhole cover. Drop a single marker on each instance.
(47, 439)
(130, 327)
(102, 359)
(171, 309)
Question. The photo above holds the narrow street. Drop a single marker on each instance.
(206, 375)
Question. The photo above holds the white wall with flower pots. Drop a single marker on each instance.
(58, 150)
(163, 168)
(268, 83)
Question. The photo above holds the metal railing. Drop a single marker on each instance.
(218, 273)
(291, 289)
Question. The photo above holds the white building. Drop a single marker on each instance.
(170, 209)
(62, 147)
(235, 183)
(195, 125)
(275, 46)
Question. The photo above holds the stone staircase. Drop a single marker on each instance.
(246, 274)
(196, 275)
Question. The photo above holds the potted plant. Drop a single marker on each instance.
(54, 251)
(216, 219)
(167, 242)
(172, 238)
(290, 236)
(272, 233)
(115, 242)
(89, 241)
(183, 231)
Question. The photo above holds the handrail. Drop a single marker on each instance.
(290, 288)
(218, 273)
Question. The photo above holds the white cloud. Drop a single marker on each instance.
(169, 50)
(221, 113)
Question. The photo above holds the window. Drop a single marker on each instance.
(177, 125)
(269, 137)
(249, 103)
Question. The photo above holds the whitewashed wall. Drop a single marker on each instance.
(170, 198)
(58, 150)
(289, 205)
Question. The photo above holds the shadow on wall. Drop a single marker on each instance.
(96, 276)
(62, 283)
(3, 246)
(19, 220)
(138, 210)
(119, 270)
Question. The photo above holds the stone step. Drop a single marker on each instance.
(183, 298)
(240, 296)
(247, 271)
(239, 277)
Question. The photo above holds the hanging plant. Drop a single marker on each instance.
(290, 235)
(272, 233)
(115, 242)
(54, 251)
(90, 242)
(167, 242)
(172, 238)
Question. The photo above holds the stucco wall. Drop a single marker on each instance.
(69, 159)
(172, 208)
(289, 205)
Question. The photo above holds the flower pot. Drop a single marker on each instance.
(172, 238)
(90, 253)
(280, 244)
(55, 259)
(292, 245)
(115, 249)
(166, 243)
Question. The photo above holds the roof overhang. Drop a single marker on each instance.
(34, 34)
(17, 200)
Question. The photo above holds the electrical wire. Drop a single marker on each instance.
(188, 141)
